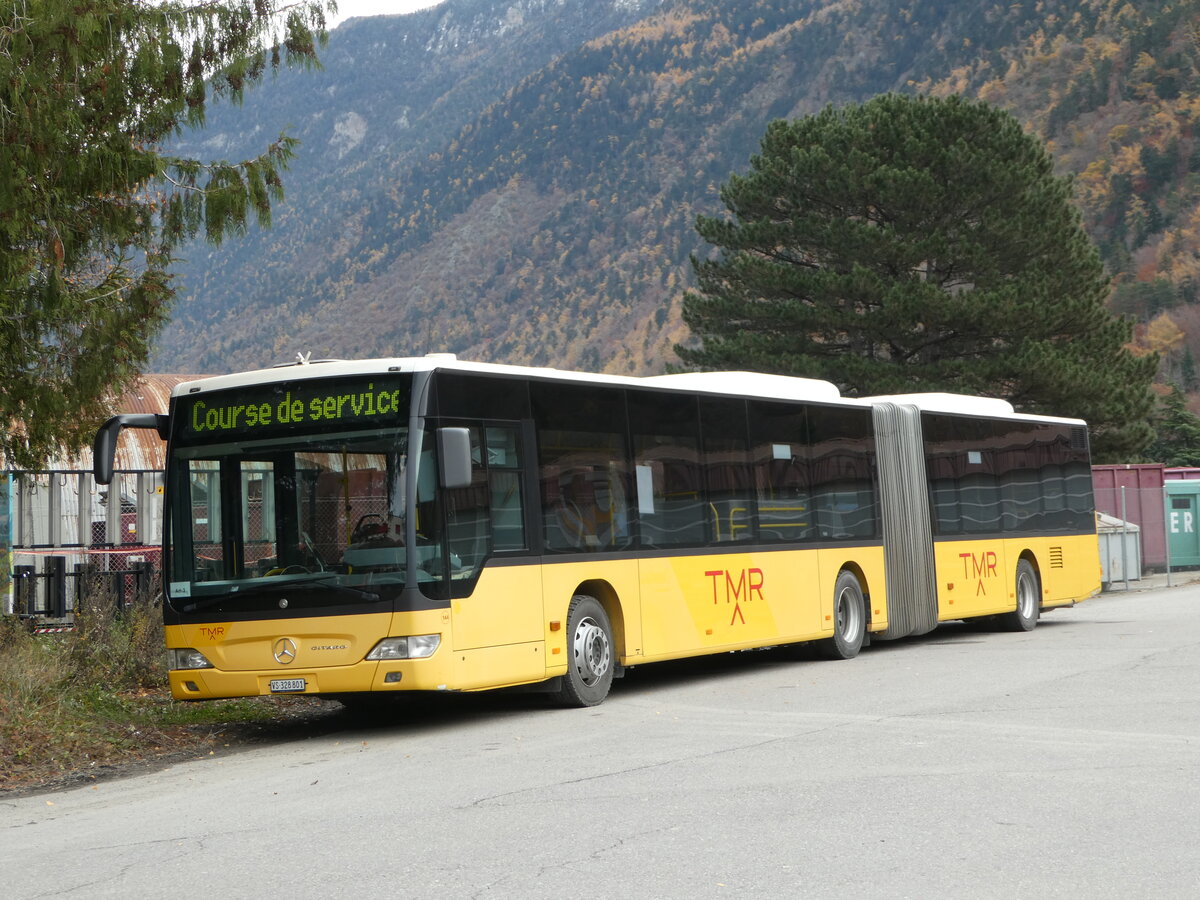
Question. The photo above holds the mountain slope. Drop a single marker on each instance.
(392, 89)
(522, 188)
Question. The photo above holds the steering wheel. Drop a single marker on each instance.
(312, 550)
(366, 527)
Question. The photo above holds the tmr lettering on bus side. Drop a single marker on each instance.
(738, 586)
(979, 567)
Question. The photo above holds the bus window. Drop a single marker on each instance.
(1021, 461)
(727, 473)
(582, 467)
(468, 528)
(962, 462)
(780, 453)
(979, 494)
(504, 483)
(584, 499)
(1044, 477)
(670, 495)
(269, 511)
(204, 487)
(842, 473)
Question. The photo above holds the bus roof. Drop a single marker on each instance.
(752, 384)
(741, 384)
(951, 403)
(748, 384)
(968, 405)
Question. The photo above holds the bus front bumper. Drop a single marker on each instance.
(389, 675)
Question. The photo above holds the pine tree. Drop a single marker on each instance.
(1187, 370)
(1177, 432)
(92, 205)
(917, 244)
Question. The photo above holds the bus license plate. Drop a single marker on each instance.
(286, 685)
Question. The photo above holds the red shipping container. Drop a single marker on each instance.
(1143, 504)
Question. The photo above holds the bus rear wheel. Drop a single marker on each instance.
(590, 663)
(1025, 616)
(850, 620)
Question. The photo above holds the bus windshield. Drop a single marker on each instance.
(322, 516)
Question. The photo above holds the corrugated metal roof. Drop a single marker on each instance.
(137, 448)
(142, 448)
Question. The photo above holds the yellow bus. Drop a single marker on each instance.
(428, 524)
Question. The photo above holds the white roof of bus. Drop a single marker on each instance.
(332, 368)
(966, 404)
(753, 384)
(952, 403)
(748, 384)
(742, 384)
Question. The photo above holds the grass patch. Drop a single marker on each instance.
(77, 703)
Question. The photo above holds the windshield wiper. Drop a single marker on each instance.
(316, 582)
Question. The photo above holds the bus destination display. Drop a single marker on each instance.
(286, 408)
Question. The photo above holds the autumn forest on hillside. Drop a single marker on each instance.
(512, 199)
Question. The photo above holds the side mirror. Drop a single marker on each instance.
(454, 457)
(104, 448)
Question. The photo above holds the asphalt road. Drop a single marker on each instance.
(1060, 763)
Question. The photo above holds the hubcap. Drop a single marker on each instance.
(591, 651)
(1025, 597)
(848, 612)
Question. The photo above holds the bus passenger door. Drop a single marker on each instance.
(495, 587)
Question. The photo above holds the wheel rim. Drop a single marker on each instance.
(1026, 598)
(591, 651)
(849, 613)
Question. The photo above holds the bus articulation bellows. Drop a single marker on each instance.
(433, 525)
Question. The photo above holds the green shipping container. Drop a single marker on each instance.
(1183, 522)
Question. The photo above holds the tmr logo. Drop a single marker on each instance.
(981, 568)
(736, 588)
(213, 633)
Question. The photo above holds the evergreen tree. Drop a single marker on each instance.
(1177, 432)
(91, 204)
(1187, 370)
(917, 244)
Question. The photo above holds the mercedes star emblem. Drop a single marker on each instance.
(285, 651)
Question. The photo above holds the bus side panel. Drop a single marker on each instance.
(499, 631)
(614, 582)
(504, 608)
(977, 578)
(869, 561)
(1069, 568)
(974, 578)
(704, 604)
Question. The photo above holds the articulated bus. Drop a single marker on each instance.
(434, 525)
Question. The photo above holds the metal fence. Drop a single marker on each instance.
(68, 538)
(68, 509)
(1147, 528)
(53, 594)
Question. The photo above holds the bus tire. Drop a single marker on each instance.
(1029, 589)
(590, 661)
(850, 619)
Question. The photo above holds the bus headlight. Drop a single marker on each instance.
(414, 646)
(187, 658)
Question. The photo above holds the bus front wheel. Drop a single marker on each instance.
(850, 619)
(1025, 616)
(590, 663)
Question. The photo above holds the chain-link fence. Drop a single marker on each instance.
(71, 538)
(1146, 523)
